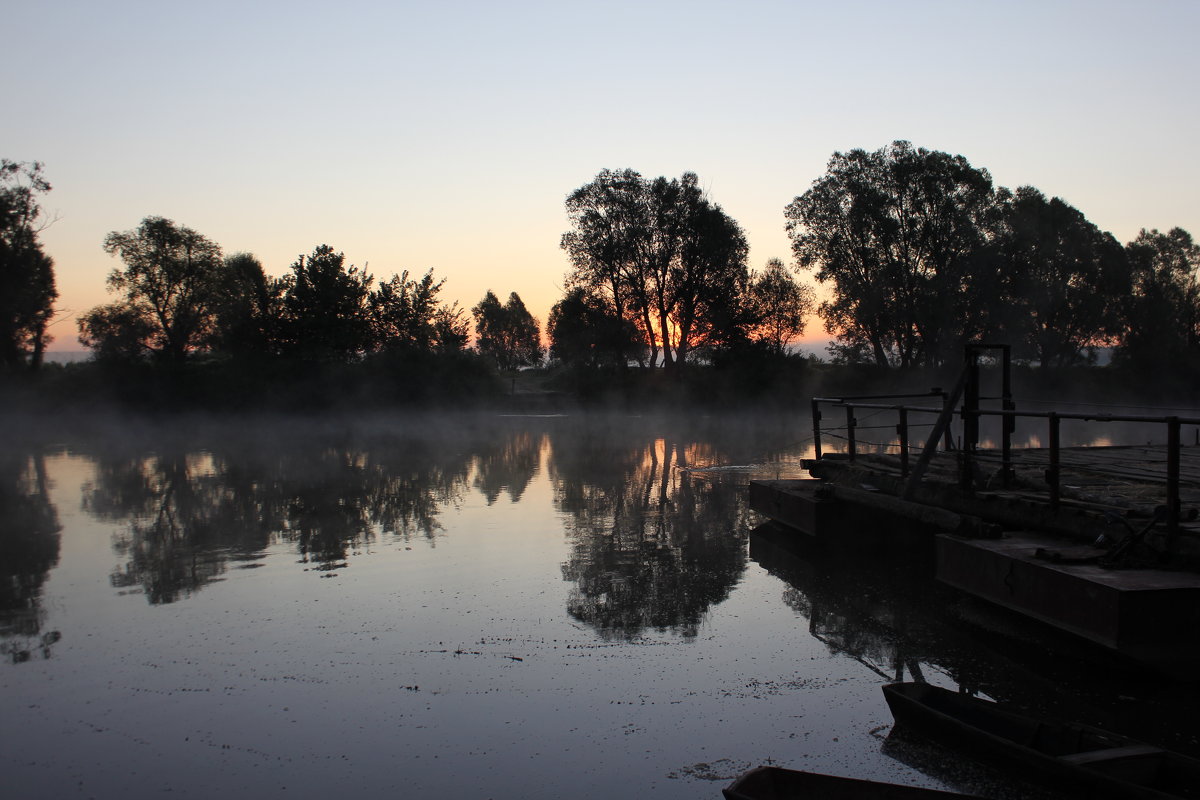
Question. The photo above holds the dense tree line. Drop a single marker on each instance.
(179, 297)
(918, 252)
(922, 253)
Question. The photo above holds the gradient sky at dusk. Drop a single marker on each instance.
(447, 135)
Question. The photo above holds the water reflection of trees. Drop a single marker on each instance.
(187, 512)
(186, 518)
(508, 465)
(29, 548)
(652, 547)
(874, 604)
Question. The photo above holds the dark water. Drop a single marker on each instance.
(485, 607)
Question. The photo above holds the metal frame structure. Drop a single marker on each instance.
(970, 413)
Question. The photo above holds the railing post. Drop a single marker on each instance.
(850, 423)
(948, 439)
(970, 421)
(1009, 423)
(816, 423)
(970, 407)
(1173, 454)
(902, 429)
(1053, 471)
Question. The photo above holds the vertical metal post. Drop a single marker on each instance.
(1008, 424)
(970, 418)
(1053, 472)
(970, 409)
(1173, 454)
(948, 440)
(816, 423)
(902, 429)
(850, 422)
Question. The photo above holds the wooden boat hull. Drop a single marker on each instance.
(1073, 756)
(777, 783)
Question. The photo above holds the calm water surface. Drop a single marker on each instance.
(486, 607)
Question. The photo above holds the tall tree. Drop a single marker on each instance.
(325, 307)
(609, 227)
(27, 290)
(662, 256)
(780, 305)
(508, 334)
(1063, 280)
(1162, 316)
(171, 284)
(707, 281)
(898, 233)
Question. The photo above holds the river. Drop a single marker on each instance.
(474, 607)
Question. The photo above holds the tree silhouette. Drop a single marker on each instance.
(116, 332)
(1062, 280)
(507, 334)
(248, 309)
(662, 256)
(585, 331)
(325, 306)
(171, 284)
(27, 290)
(609, 225)
(1162, 316)
(406, 315)
(898, 234)
(779, 305)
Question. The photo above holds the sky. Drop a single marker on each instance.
(447, 135)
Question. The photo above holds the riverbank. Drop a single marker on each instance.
(464, 381)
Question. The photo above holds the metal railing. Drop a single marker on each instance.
(969, 449)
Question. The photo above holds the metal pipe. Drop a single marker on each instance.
(948, 442)
(850, 422)
(1008, 425)
(1053, 472)
(970, 407)
(816, 424)
(1040, 414)
(1173, 445)
(902, 430)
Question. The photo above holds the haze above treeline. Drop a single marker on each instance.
(913, 252)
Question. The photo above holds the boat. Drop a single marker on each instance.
(777, 783)
(1070, 755)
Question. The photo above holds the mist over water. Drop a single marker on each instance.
(478, 606)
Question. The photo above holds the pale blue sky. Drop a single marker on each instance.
(447, 135)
